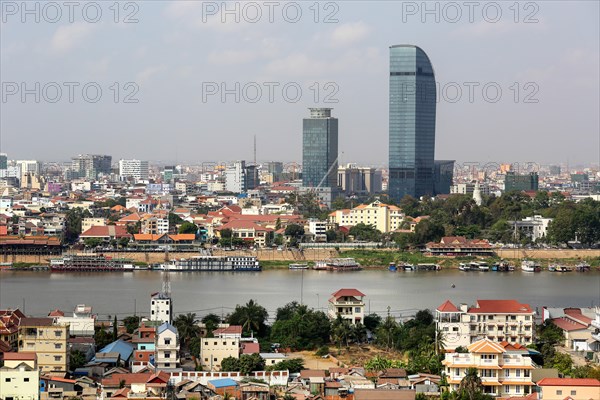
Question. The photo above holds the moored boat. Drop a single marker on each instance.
(582, 267)
(393, 267)
(464, 267)
(298, 266)
(320, 265)
(89, 263)
(552, 268)
(342, 264)
(483, 266)
(530, 266)
(213, 263)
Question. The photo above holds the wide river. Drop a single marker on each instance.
(203, 292)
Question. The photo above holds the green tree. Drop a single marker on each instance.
(298, 327)
(92, 242)
(187, 327)
(372, 321)
(131, 323)
(341, 331)
(230, 364)
(211, 322)
(563, 363)
(115, 329)
(73, 219)
(294, 231)
(174, 219)
(428, 230)
(76, 360)
(251, 316)
(188, 227)
(123, 242)
(365, 232)
(471, 385)
(251, 362)
(293, 365)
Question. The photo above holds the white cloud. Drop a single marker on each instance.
(69, 36)
(350, 33)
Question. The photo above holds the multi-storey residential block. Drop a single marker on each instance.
(349, 304)
(161, 308)
(155, 225)
(90, 166)
(48, 339)
(20, 377)
(383, 217)
(135, 169)
(505, 370)
(499, 320)
(214, 350)
(167, 347)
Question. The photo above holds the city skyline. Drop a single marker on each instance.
(352, 54)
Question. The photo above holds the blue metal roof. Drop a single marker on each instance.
(220, 383)
(123, 348)
(164, 327)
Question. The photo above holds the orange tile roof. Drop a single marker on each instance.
(23, 355)
(348, 293)
(486, 346)
(447, 307)
(500, 307)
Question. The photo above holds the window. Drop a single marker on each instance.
(215, 359)
(517, 389)
(57, 345)
(6, 379)
(507, 373)
(167, 355)
(206, 359)
(25, 379)
(357, 310)
(573, 392)
(58, 333)
(167, 365)
(527, 317)
(215, 343)
(206, 343)
(57, 358)
(518, 373)
(559, 392)
(167, 341)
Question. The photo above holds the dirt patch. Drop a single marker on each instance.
(311, 361)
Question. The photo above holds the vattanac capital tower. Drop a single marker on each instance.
(412, 111)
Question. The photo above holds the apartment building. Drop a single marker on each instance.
(504, 369)
(498, 320)
(214, 350)
(20, 377)
(167, 348)
(81, 323)
(384, 217)
(135, 169)
(161, 307)
(48, 339)
(155, 225)
(349, 304)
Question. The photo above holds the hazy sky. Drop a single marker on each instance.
(178, 54)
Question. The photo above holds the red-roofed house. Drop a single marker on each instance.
(349, 304)
(107, 233)
(10, 321)
(563, 388)
(247, 231)
(230, 332)
(499, 320)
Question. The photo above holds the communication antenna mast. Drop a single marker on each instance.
(254, 150)
(166, 284)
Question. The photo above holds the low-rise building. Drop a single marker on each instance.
(48, 339)
(460, 246)
(569, 388)
(20, 377)
(499, 320)
(9, 326)
(383, 217)
(504, 370)
(535, 227)
(348, 304)
(81, 323)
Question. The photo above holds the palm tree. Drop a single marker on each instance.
(187, 327)
(341, 330)
(470, 385)
(251, 317)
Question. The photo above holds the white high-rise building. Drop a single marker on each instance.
(136, 169)
(235, 177)
(31, 166)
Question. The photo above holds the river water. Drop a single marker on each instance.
(122, 293)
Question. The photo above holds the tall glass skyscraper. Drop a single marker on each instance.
(320, 149)
(411, 123)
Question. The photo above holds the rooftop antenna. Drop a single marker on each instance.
(166, 284)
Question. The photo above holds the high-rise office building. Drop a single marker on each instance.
(320, 149)
(3, 161)
(412, 105)
(235, 177)
(135, 169)
(320, 154)
(90, 166)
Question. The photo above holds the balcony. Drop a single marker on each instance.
(348, 303)
(460, 360)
